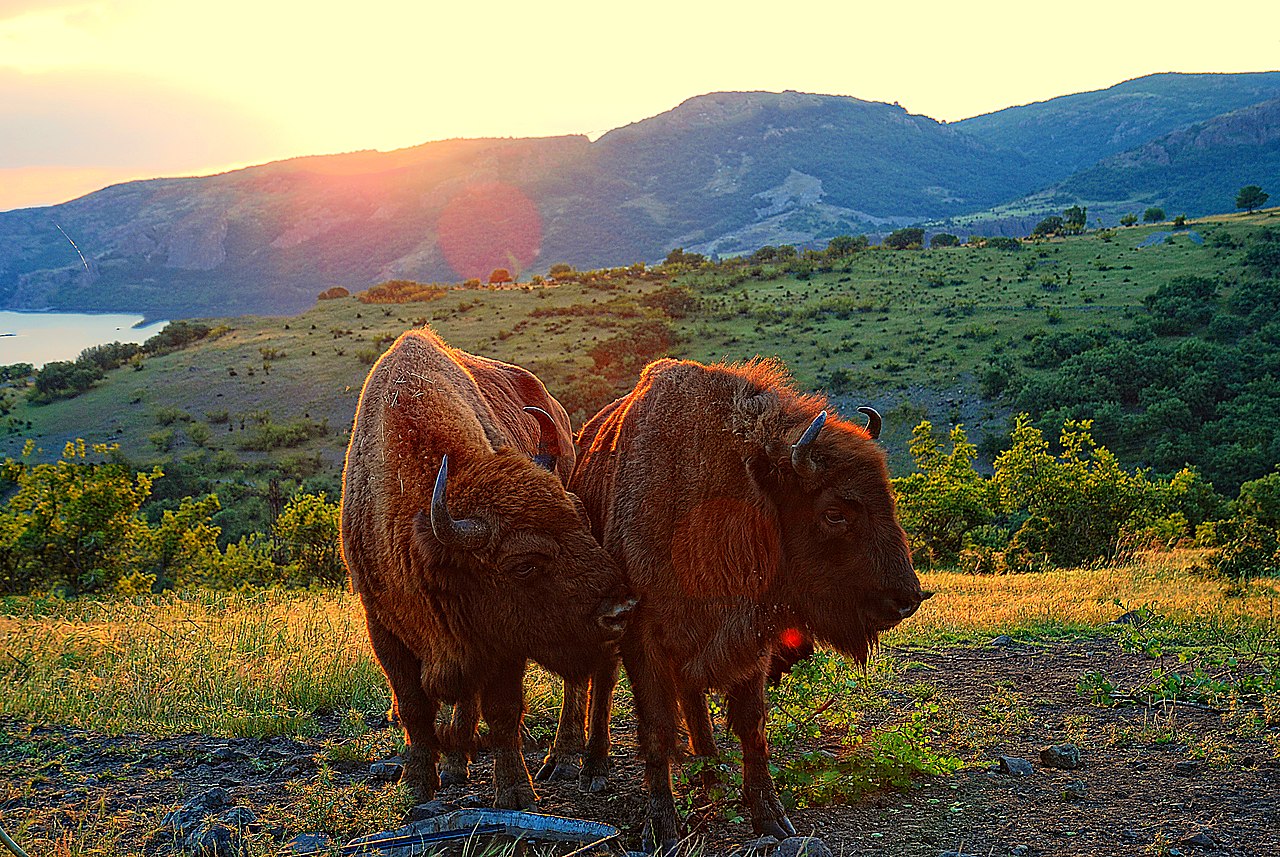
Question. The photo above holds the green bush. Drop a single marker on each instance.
(945, 498)
(307, 534)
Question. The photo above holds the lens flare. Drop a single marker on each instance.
(489, 226)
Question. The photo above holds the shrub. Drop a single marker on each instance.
(945, 498)
(944, 239)
(72, 524)
(1154, 214)
(333, 293)
(905, 238)
(307, 533)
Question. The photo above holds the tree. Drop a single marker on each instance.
(1129, 219)
(1051, 225)
(307, 531)
(845, 245)
(944, 239)
(903, 239)
(1154, 214)
(1251, 197)
(500, 275)
(1075, 218)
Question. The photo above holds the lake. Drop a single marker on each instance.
(41, 337)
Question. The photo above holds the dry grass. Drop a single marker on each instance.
(972, 607)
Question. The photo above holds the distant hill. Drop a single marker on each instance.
(1193, 171)
(719, 174)
(1063, 135)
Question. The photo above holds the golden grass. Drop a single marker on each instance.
(1076, 600)
(265, 663)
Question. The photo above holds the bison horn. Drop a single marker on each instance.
(467, 533)
(802, 452)
(873, 421)
(548, 439)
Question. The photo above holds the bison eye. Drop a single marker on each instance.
(834, 517)
(525, 569)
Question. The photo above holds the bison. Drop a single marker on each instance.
(468, 554)
(749, 521)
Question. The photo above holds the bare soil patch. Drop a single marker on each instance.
(1156, 779)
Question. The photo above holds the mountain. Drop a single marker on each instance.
(721, 173)
(1063, 135)
(1193, 171)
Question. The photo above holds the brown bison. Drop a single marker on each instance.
(748, 522)
(466, 551)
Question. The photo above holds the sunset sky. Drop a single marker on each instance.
(107, 90)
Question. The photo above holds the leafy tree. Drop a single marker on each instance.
(1251, 197)
(307, 532)
(560, 271)
(1154, 214)
(905, 238)
(679, 257)
(944, 239)
(945, 499)
(844, 245)
(1260, 498)
(1129, 219)
(500, 275)
(333, 293)
(1051, 225)
(73, 523)
(1180, 222)
(1075, 218)
(1182, 304)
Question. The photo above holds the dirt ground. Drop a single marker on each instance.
(1165, 779)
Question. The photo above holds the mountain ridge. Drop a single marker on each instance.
(719, 173)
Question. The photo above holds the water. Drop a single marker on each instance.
(40, 337)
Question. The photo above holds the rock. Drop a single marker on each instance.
(308, 843)
(1020, 851)
(1063, 756)
(1187, 768)
(802, 846)
(1014, 766)
(756, 847)
(1131, 618)
(215, 839)
(239, 817)
(1002, 640)
(1199, 840)
(430, 809)
(386, 771)
(184, 821)
(1131, 836)
(225, 753)
(1075, 790)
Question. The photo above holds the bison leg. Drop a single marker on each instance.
(654, 689)
(697, 717)
(747, 719)
(562, 758)
(503, 702)
(459, 742)
(595, 768)
(414, 708)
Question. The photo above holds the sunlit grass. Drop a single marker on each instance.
(268, 663)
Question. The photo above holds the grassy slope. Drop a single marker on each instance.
(914, 350)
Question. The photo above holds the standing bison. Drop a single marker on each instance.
(748, 521)
(466, 551)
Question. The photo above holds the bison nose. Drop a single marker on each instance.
(905, 602)
(614, 616)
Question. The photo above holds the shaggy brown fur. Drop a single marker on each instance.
(690, 484)
(451, 623)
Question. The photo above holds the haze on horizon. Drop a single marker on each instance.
(94, 92)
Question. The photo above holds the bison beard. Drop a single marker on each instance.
(749, 523)
(460, 539)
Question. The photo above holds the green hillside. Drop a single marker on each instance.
(955, 334)
(1063, 135)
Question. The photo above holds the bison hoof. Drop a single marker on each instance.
(516, 797)
(595, 776)
(555, 768)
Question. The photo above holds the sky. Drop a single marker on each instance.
(94, 92)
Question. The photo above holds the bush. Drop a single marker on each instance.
(72, 525)
(333, 293)
(905, 238)
(944, 239)
(945, 499)
(1154, 214)
(307, 533)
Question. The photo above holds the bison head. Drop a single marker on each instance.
(504, 530)
(847, 572)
